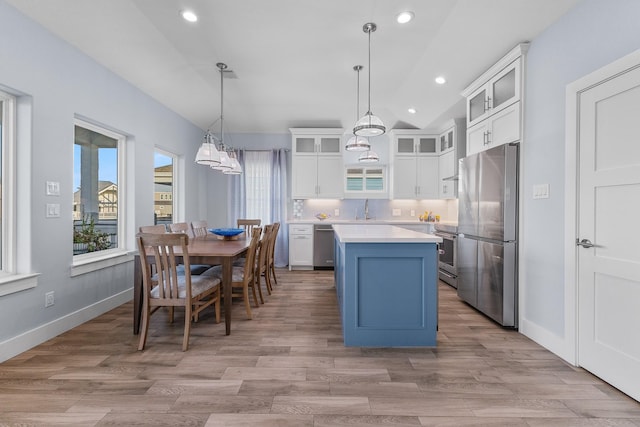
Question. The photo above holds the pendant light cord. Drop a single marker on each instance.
(369, 71)
(222, 67)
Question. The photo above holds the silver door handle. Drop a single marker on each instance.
(585, 243)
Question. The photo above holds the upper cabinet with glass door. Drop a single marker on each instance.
(496, 89)
(317, 143)
(412, 142)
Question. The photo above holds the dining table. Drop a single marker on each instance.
(208, 250)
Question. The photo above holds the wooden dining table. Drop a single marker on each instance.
(208, 250)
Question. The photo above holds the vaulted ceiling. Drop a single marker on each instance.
(292, 60)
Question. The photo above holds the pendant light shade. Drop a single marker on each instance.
(208, 154)
(369, 157)
(369, 124)
(357, 143)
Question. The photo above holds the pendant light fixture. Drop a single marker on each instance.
(208, 154)
(357, 143)
(369, 125)
(369, 156)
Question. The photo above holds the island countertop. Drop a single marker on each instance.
(347, 233)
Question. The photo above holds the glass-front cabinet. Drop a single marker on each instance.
(317, 164)
(499, 92)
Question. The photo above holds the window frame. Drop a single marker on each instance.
(13, 277)
(175, 181)
(84, 263)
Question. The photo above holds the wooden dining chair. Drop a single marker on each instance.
(272, 250)
(182, 227)
(262, 261)
(199, 228)
(153, 229)
(170, 289)
(248, 225)
(243, 277)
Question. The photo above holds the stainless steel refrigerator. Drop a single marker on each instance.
(488, 232)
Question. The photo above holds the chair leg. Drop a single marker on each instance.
(273, 272)
(257, 284)
(144, 327)
(187, 327)
(171, 314)
(217, 304)
(267, 281)
(247, 306)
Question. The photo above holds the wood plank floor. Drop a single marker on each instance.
(288, 367)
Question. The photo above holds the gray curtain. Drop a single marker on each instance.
(279, 205)
(237, 195)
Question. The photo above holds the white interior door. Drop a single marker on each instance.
(609, 202)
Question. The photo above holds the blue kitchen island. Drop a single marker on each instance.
(387, 285)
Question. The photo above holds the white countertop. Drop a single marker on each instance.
(360, 221)
(380, 233)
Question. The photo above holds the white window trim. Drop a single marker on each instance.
(10, 280)
(86, 263)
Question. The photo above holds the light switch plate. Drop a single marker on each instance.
(413, 212)
(395, 212)
(53, 210)
(541, 191)
(53, 188)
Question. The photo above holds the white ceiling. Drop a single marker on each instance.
(294, 58)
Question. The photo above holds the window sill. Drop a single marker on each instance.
(83, 265)
(12, 283)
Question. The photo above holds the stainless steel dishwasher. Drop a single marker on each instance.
(323, 247)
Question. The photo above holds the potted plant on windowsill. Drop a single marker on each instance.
(88, 239)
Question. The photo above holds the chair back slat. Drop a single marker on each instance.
(153, 229)
(250, 262)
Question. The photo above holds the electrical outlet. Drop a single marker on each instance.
(336, 212)
(413, 212)
(395, 212)
(49, 299)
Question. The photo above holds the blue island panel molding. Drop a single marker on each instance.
(387, 293)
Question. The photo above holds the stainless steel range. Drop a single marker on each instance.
(447, 268)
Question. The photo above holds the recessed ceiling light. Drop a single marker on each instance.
(412, 110)
(404, 17)
(441, 80)
(189, 15)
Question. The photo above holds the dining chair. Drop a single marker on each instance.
(262, 261)
(170, 289)
(248, 225)
(182, 227)
(185, 227)
(242, 276)
(153, 229)
(199, 228)
(272, 249)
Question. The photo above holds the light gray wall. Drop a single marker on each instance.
(593, 34)
(61, 82)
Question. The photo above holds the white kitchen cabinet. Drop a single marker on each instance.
(494, 101)
(300, 246)
(410, 142)
(452, 148)
(415, 178)
(415, 164)
(317, 164)
(501, 128)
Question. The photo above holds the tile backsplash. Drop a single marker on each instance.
(382, 209)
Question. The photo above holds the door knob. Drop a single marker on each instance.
(585, 243)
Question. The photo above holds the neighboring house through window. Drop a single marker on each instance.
(98, 218)
(163, 187)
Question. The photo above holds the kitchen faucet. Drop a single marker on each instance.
(366, 209)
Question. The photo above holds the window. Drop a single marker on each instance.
(164, 169)
(98, 219)
(257, 170)
(369, 180)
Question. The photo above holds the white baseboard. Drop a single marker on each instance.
(27, 340)
(552, 342)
